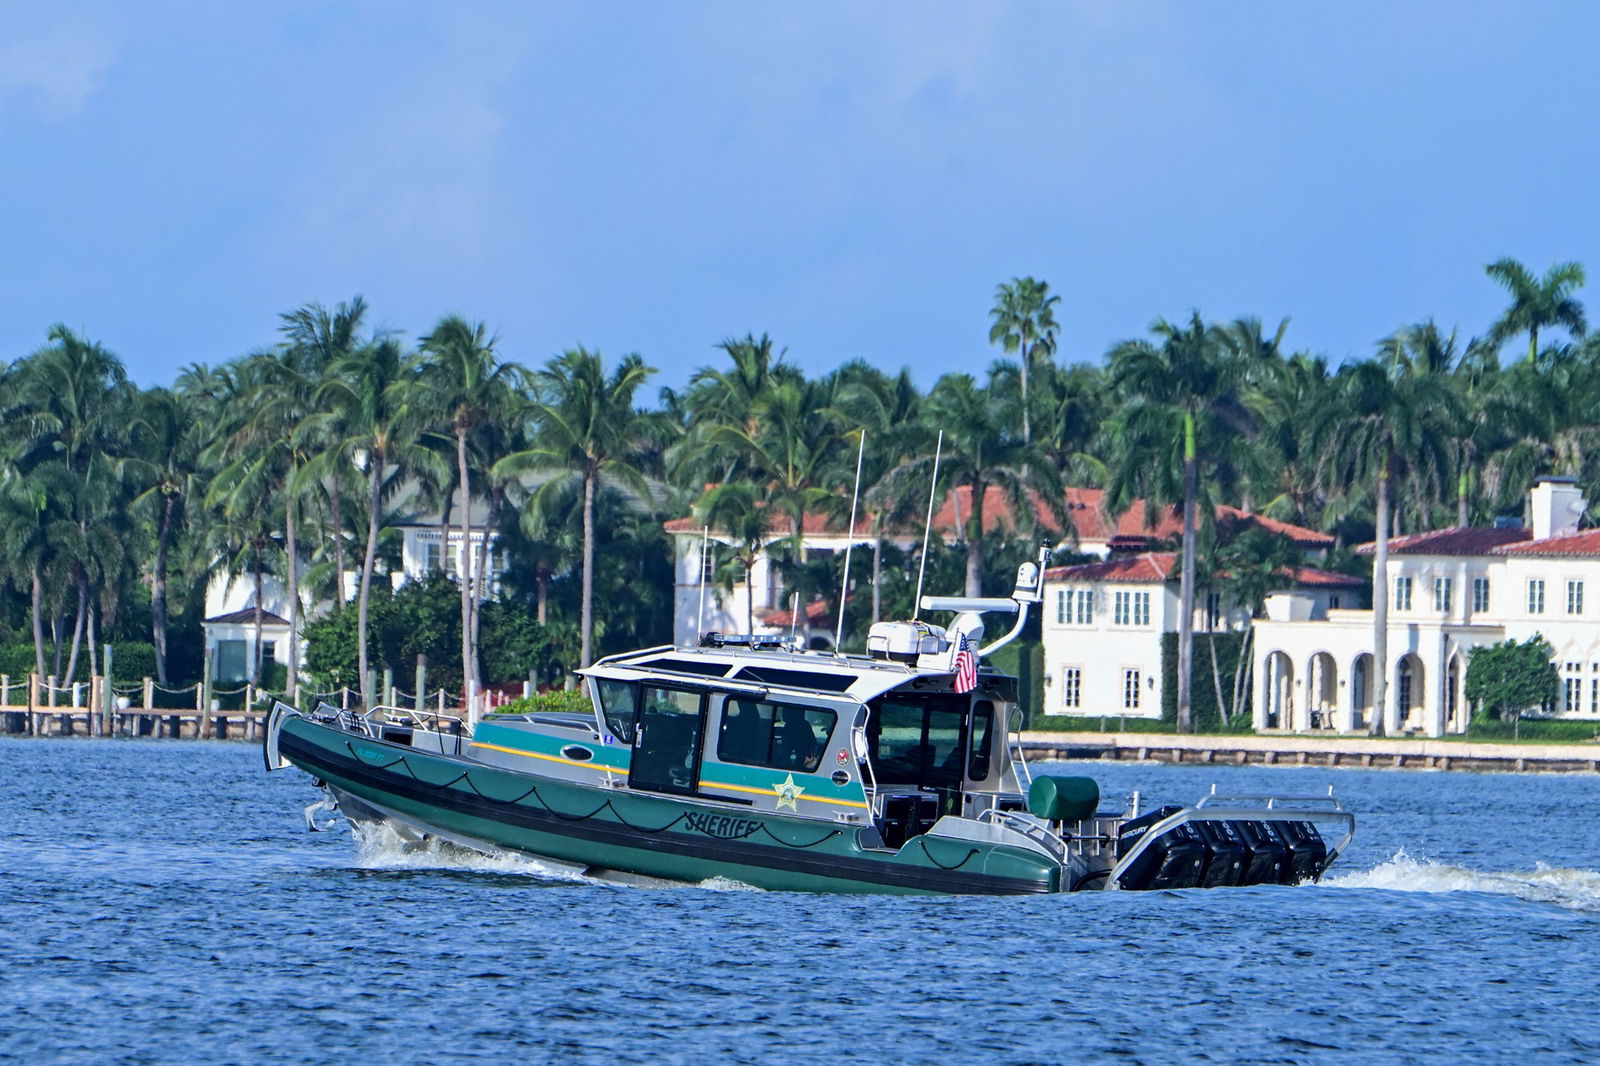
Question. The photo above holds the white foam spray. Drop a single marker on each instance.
(1569, 888)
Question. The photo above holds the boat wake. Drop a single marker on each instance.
(1573, 889)
(379, 846)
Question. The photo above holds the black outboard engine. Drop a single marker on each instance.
(1307, 852)
(1270, 860)
(1228, 857)
(1176, 859)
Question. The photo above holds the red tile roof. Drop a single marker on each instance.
(1151, 566)
(1312, 578)
(1131, 530)
(1584, 543)
(1163, 566)
(1462, 540)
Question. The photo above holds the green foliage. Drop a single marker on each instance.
(566, 701)
(1202, 693)
(1535, 730)
(1024, 659)
(130, 661)
(512, 646)
(423, 618)
(1508, 679)
(331, 650)
(1071, 723)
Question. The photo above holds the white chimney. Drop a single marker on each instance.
(1555, 505)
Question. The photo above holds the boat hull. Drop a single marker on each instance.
(644, 834)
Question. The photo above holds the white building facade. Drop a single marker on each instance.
(1103, 625)
(231, 599)
(1449, 592)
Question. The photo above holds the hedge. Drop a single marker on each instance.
(129, 661)
(1203, 712)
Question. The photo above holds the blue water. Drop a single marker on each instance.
(160, 902)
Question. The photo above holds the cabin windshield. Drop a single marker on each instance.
(619, 700)
(915, 739)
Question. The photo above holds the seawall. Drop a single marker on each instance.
(1315, 751)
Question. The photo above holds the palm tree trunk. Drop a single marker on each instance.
(1216, 676)
(94, 660)
(1533, 343)
(1380, 609)
(1241, 670)
(877, 568)
(1027, 434)
(37, 606)
(468, 665)
(55, 636)
(255, 664)
(1191, 489)
(541, 584)
(158, 589)
(77, 626)
(750, 596)
(974, 583)
(364, 596)
(292, 550)
(1462, 515)
(586, 609)
(336, 500)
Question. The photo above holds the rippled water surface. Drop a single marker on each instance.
(160, 902)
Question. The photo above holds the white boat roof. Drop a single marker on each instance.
(816, 673)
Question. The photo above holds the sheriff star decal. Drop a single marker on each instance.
(788, 792)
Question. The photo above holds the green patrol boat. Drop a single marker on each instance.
(744, 758)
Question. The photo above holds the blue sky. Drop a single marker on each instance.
(854, 179)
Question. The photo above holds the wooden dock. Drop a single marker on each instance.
(1289, 750)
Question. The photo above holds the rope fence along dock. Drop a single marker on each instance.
(43, 707)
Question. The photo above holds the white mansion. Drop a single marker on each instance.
(1450, 591)
(230, 622)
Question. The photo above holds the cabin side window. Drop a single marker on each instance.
(619, 703)
(980, 740)
(775, 735)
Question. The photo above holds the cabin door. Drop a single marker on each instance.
(666, 742)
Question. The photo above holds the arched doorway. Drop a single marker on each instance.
(1409, 688)
(1361, 692)
(1278, 686)
(1322, 690)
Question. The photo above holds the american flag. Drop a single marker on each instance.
(966, 668)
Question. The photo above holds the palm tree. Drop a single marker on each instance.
(1024, 322)
(980, 452)
(314, 339)
(72, 408)
(1537, 303)
(1182, 400)
(738, 511)
(585, 429)
(465, 385)
(169, 443)
(792, 452)
(366, 404)
(888, 411)
(1387, 426)
(1279, 401)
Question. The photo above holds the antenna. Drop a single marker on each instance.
(700, 616)
(850, 542)
(933, 489)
